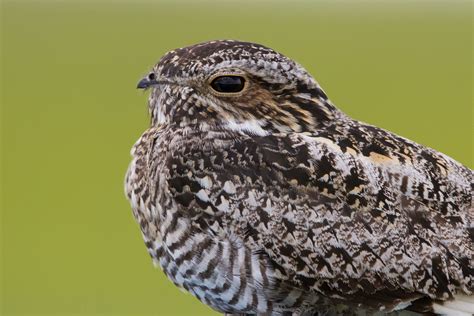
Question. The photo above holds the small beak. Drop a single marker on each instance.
(145, 83)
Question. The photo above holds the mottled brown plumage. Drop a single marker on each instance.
(269, 200)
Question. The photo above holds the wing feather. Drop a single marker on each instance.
(380, 229)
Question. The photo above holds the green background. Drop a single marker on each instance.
(70, 113)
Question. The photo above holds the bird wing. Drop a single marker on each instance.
(358, 227)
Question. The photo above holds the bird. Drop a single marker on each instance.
(257, 195)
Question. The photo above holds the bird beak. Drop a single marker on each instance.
(145, 83)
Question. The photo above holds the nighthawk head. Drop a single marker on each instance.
(235, 85)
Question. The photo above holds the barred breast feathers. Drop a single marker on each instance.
(304, 201)
(274, 201)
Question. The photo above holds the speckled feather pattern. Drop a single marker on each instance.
(273, 201)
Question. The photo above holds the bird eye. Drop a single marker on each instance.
(228, 84)
(151, 76)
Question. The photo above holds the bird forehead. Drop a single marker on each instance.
(208, 57)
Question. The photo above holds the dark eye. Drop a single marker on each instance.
(151, 76)
(228, 84)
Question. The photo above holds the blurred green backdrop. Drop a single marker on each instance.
(70, 113)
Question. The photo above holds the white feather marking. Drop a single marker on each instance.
(229, 187)
(462, 305)
(250, 126)
(251, 200)
(205, 182)
(202, 195)
(224, 206)
(401, 306)
(305, 96)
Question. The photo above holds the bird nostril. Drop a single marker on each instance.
(151, 76)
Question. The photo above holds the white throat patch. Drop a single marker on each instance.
(253, 127)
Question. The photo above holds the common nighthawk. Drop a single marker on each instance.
(257, 195)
